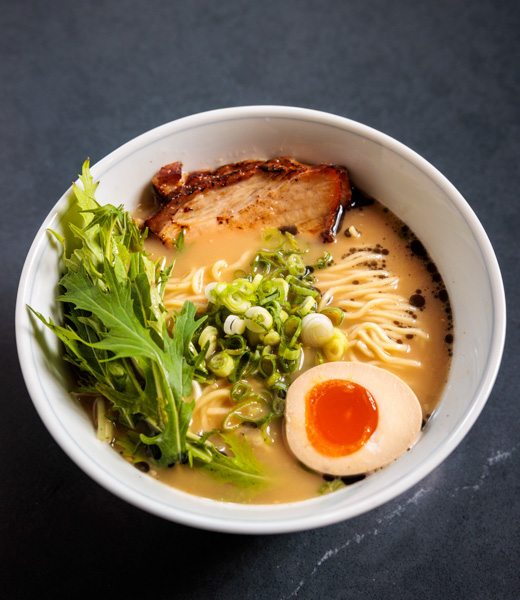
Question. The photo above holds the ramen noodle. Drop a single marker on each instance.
(397, 316)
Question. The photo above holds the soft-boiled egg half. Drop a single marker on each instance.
(347, 418)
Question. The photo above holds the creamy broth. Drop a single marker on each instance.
(370, 227)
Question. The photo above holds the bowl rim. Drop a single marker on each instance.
(216, 522)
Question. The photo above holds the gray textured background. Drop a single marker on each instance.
(78, 79)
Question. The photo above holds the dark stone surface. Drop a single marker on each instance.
(79, 79)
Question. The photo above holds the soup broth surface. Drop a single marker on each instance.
(373, 228)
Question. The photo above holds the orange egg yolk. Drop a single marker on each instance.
(340, 417)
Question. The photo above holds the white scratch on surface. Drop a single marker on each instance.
(498, 457)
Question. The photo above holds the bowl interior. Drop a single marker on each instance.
(379, 165)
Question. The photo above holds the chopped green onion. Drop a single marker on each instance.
(267, 365)
(257, 280)
(317, 329)
(243, 286)
(320, 359)
(283, 286)
(253, 338)
(272, 379)
(208, 337)
(278, 399)
(296, 265)
(222, 364)
(274, 238)
(268, 291)
(239, 390)
(291, 328)
(209, 291)
(291, 354)
(245, 365)
(254, 410)
(258, 319)
(335, 348)
(235, 301)
(300, 290)
(234, 345)
(271, 338)
(288, 366)
(307, 306)
(234, 325)
(324, 261)
(335, 314)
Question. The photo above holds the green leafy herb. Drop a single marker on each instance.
(239, 466)
(331, 486)
(127, 348)
(179, 242)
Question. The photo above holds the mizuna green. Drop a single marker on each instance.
(125, 347)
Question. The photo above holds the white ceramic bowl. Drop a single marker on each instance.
(379, 165)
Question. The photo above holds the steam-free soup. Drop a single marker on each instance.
(397, 316)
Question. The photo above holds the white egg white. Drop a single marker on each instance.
(399, 418)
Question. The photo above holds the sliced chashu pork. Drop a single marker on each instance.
(281, 193)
